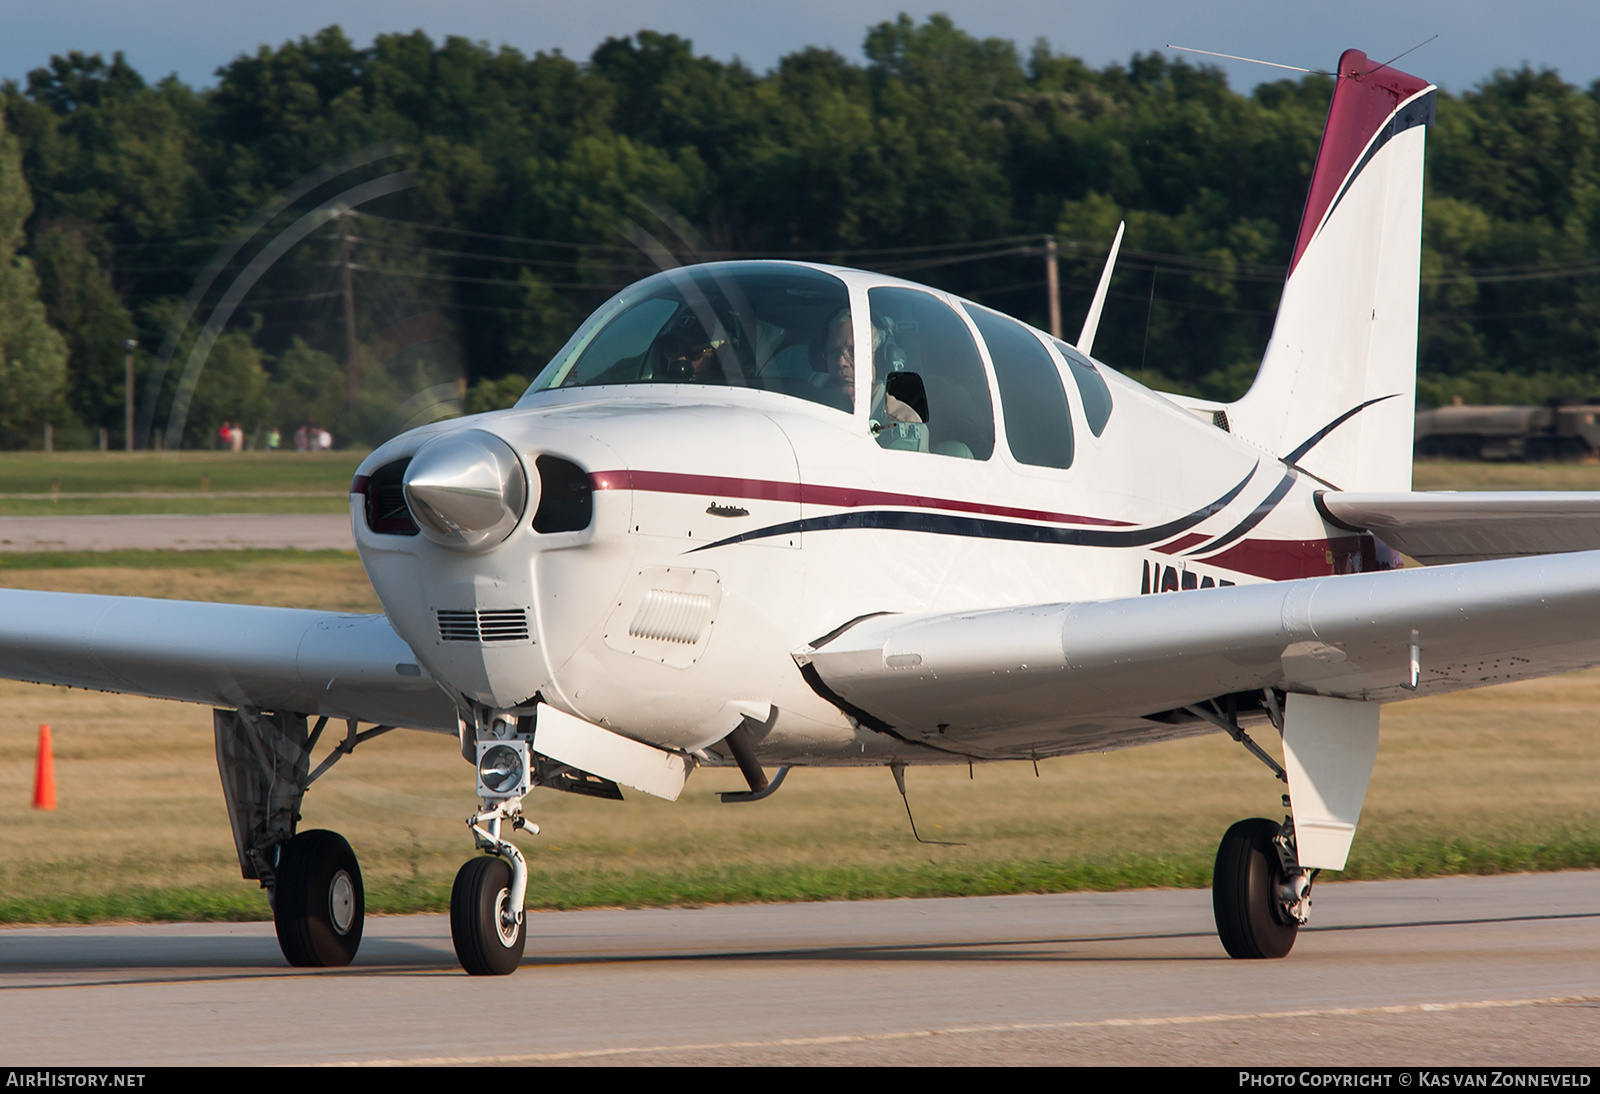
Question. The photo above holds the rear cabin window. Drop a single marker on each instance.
(1091, 386)
(916, 332)
(1038, 420)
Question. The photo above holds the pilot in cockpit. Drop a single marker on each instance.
(840, 358)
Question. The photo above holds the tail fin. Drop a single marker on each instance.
(1337, 388)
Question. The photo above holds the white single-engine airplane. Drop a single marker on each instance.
(771, 513)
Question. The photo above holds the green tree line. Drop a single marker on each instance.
(515, 193)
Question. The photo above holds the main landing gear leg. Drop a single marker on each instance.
(1262, 891)
(312, 878)
(1260, 894)
(486, 904)
(319, 903)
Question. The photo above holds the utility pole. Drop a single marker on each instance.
(1053, 282)
(127, 386)
(347, 268)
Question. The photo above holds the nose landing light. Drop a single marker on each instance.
(467, 490)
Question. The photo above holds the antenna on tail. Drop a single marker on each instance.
(1297, 68)
(1253, 61)
(1091, 322)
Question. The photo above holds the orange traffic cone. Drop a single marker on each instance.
(44, 777)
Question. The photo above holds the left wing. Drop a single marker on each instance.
(1087, 676)
(223, 655)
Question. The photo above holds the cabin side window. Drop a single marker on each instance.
(1091, 386)
(1032, 398)
(916, 333)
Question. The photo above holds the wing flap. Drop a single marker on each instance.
(222, 655)
(1439, 527)
(1039, 670)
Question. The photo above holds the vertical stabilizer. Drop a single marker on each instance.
(1336, 392)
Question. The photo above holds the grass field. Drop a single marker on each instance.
(80, 483)
(1495, 780)
(1473, 475)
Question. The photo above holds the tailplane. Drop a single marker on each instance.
(1337, 388)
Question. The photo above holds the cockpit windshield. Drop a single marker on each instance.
(755, 325)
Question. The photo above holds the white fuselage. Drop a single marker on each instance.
(732, 527)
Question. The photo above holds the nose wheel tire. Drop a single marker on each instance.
(318, 903)
(1244, 889)
(489, 935)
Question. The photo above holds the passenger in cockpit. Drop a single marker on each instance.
(690, 357)
(887, 358)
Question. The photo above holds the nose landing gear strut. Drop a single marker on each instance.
(486, 903)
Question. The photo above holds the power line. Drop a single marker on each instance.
(468, 233)
(476, 256)
(706, 254)
(1469, 277)
(429, 276)
(929, 257)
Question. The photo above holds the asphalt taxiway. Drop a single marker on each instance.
(1497, 970)
(179, 532)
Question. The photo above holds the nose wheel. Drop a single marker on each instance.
(485, 925)
(1258, 894)
(318, 903)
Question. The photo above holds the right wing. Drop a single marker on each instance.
(223, 655)
(1055, 678)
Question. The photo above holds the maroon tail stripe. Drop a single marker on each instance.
(1364, 98)
(844, 497)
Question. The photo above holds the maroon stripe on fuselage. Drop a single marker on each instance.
(716, 486)
(843, 497)
(1286, 559)
(1182, 543)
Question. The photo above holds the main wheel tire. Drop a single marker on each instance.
(485, 945)
(318, 904)
(1244, 893)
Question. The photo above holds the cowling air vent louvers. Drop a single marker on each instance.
(485, 625)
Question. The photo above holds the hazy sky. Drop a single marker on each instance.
(193, 37)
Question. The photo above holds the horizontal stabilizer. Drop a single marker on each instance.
(1436, 528)
(223, 655)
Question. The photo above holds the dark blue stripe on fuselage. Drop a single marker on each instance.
(943, 524)
(1257, 515)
